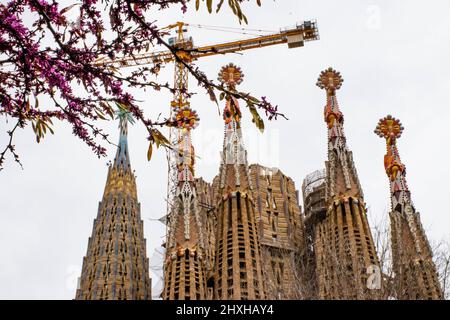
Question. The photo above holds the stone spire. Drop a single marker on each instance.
(415, 272)
(122, 159)
(238, 255)
(342, 175)
(346, 260)
(116, 265)
(185, 272)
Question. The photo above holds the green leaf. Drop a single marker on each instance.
(219, 5)
(122, 107)
(107, 108)
(256, 118)
(197, 4)
(209, 4)
(244, 18)
(44, 127)
(159, 138)
(68, 8)
(150, 151)
(100, 114)
(232, 6)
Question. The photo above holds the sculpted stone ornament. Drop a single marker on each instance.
(330, 80)
(391, 129)
(186, 118)
(345, 223)
(236, 217)
(231, 75)
(416, 275)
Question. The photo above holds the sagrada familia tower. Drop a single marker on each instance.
(116, 265)
(245, 236)
(416, 276)
(344, 248)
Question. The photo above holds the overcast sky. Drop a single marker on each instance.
(394, 58)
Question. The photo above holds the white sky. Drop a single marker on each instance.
(393, 56)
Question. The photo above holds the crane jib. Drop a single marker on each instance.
(294, 37)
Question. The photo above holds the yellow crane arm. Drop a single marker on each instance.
(294, 37)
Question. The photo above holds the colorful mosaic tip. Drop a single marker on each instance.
(330, 79)
(186, 118)
(389, 127)
(230, 75)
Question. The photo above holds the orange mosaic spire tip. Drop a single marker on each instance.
(391, 129)
(186, 118)
(416, 277)
(231, 75)
(330, 80)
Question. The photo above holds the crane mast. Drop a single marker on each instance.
(184, 49)
(180, 99)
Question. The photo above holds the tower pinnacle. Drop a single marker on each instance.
(185, 265)
(116, 265)
(238, 264)
(345, 248)
(234, 171)
(342, 177)
(330, 80)
(415, 272)
(122, 159)
(391, 129)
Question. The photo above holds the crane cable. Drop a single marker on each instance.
(232, 29)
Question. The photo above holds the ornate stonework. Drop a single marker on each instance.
(280, 230)
(315, 208)
(238, 270)
(185, 264)
(415, 273)
(116, 265)
(344, 249)
(244, 236)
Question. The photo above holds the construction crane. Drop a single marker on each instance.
(186, 52)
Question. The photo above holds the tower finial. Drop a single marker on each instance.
(391, 129)
(119, 200)
(122, 158)
(345, 216)
(231, 75)
(330, 80)
(415, 272)
(235, 207)
(187, 119)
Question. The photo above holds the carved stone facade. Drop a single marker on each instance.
(315, 207)
(238, 264)
(244, 236)
(185, 263)
(344, 248)
(280, 230)
(116, 265)
(415, 273)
